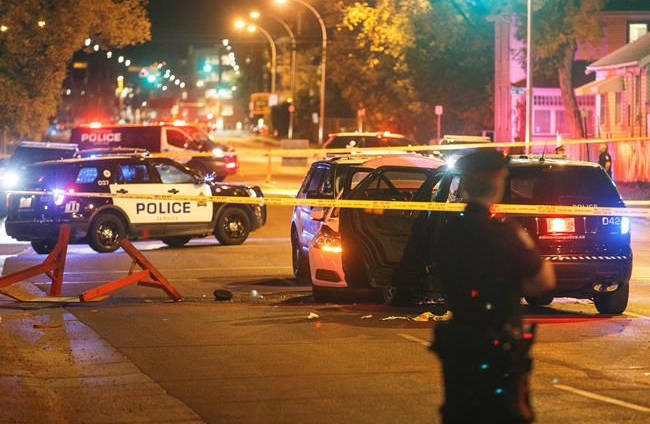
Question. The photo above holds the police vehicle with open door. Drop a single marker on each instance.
(103, 221)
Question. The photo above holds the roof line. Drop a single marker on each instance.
(592, 68)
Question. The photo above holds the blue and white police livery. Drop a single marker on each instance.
(102, 221)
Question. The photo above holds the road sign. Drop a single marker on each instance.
(438, 110)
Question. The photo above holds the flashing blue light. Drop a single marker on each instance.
(498, 391)
(625, 225)
(151, 78)
(207, 68)
(484, 366)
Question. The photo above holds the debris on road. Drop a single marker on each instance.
(222, 295)
(392, 318)
(366, 317)
(430, 316)
(313, 316)
(45, 326)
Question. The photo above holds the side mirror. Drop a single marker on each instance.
(317, 214)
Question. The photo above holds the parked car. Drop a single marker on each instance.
(26, 153)
(591, 254)
(103, 221)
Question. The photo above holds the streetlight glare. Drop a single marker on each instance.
(41, 23)
(3, 28)
(255, 14)
(251, 28)
(240, 24)
(281, 1)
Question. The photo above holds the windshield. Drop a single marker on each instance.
(561, 185)
(26, 155)
(350, 141)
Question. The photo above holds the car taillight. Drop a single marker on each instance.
(561, 225)
(231, 162)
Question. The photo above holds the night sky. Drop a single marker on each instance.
(176, 24)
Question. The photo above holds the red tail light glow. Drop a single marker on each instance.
(561, 225)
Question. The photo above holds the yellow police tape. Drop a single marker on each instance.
(510, 209)
(416, 148)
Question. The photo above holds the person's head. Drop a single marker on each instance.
(484, 176)
(603, 148)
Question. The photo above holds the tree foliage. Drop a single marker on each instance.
(398, 58)
(34, 57)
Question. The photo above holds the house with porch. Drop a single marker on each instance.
(619, 27)
(621, 94)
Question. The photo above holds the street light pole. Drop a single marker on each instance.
(292, 65)
(274, 56)
(323, 75)
(529, 77)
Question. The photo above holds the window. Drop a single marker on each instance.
(561, 124)
(170, 174)
(395, 185)
(636, 30)
(87, 176)
(133, 173)
(177, 139)
(316, 180)
(542, 122)
(603, 109)
(618, 106)
(455, 191)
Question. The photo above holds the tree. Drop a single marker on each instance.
(38, 40)
(558, 27)
(400, 57)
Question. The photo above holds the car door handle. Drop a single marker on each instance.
(121, 191)
(173, 191)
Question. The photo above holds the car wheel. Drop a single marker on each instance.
(43, 247)
(539, 301)
(106, 232)
(299, 261)
(178, 241)
(613, 303)
(397, 296)
(233, 226)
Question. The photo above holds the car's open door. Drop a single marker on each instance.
(374, 239)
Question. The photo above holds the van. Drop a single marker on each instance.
(177, 140)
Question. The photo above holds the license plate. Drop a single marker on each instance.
(25, 202)
(561, 225)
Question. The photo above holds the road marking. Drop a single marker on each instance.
(602, 398)
(632, 314)
(414, 339)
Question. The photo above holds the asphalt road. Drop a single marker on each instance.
(259, 359)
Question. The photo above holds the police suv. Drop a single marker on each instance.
(591, 255)
(103, 221)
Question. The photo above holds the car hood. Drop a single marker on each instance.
(228, 189)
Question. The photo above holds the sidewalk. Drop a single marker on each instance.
(68, 374)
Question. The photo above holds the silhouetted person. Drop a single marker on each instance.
(605, 159)
(486, 266)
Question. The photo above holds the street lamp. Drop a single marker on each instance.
(256, 15)
(323, 28)
(241, 24)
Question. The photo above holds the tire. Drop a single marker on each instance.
(299, 261)
(177, 241)
(396, 296)
(613, 303)
(539, 301)
(233, 226)
(43, 247)
(106, 232)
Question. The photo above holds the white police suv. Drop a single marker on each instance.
(103, 221)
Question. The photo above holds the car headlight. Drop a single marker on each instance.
(10, 179)
(251, 193)
(625, 225)
(218, 153)
(328, 241)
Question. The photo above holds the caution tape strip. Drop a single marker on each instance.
(417, 148)
(368, 204)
